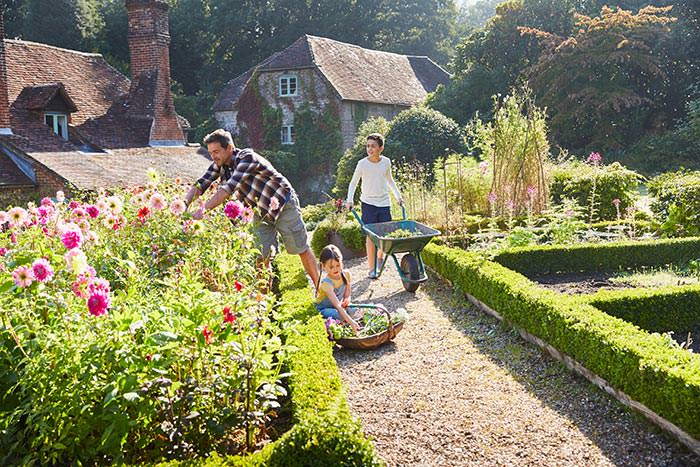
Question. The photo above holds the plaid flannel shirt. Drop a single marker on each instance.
(254, 181)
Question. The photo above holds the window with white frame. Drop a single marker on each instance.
(58, 122)
(288, 86)
(288, 134)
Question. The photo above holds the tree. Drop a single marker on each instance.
(601, 83)
(72, 24)
(424, 134)
(490, 60)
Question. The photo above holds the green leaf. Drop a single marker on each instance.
(132, 396)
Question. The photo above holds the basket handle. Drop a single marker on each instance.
(390, 328)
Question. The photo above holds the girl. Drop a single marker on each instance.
(375, 172)
(333, 291)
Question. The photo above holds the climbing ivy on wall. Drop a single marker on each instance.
(318, 138)
(260, 123)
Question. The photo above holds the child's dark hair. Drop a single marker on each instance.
(330, 252)
(378, 137)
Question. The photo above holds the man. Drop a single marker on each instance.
(260, 186)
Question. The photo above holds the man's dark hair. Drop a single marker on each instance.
(378, 137)
(220, 136)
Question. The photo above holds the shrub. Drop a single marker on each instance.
(424, 134)
(677, 202)
(575, 179)
(350, 232)
(315, 213)
(287, 163)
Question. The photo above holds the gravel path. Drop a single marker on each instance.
(456, 388)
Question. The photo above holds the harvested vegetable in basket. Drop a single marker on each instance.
(371, 323)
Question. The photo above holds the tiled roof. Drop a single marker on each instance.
(124, 167)
(39, 97)
(233, 89)
(89, 80)
(366, 75)
(10, 174)
(356, 73)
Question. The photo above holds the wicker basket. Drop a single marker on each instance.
(375, 340)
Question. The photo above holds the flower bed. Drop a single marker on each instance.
(131, 333)
(648, 368)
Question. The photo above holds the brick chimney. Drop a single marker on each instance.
(4, 99)
(149, 41)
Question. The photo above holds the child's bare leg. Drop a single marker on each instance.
(370, 253)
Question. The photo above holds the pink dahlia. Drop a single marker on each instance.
(595, 158)
(177, 207)
(72, 238)
(157, 201)
(46, 201)
(17, 216)
(23, 276)
(99, 286)
(247, 215)
(43, 272)
(233, 209)
(98, 303)
(92, 210)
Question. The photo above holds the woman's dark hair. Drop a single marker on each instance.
(328, 253)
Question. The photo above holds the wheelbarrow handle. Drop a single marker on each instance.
(362, 224)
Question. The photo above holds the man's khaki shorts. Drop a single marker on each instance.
(289, 225)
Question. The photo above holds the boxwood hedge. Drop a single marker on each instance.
(599, 257)
(673, 308)
(645, 366)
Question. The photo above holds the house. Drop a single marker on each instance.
(324, 75)
(68, 120)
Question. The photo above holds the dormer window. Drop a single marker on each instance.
(288, 86)
(58, 122)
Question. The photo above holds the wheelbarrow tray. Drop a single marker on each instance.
(378, 233)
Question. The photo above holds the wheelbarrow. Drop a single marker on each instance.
(411, 268)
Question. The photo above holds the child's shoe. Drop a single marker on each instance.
(372, 274)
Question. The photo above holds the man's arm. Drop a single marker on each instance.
(192, 195)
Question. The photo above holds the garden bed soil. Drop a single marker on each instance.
(457, 388)
(578, 283)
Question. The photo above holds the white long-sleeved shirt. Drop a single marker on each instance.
(376, 182)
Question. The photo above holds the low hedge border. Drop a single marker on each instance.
(599, 256)
(671, 308)
(645, 367)
(324, 431)
(350, 231)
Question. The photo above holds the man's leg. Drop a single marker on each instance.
(308, 260)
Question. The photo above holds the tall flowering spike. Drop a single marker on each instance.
(483, 167)
(43, 272)
(616, 202)
(493, 198)
(23, 276)
(595, 158)
(531, 191)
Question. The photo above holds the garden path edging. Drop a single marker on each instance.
(692, 443)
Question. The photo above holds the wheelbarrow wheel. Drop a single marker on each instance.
(410, 270)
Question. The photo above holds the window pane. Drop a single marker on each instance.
(292, 85)
(61, 129)
(48, 119)
(292, 135)
(284, 88)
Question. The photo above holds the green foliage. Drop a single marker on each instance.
(347, 163)
(315, 213)
(668, 309)
(647, 367)
(423, 134)
(677, 202)
(584, 79)
(516, 146)
(574, 180)
(272, 123)
(350, 232)
(159, 371)
(318, 139)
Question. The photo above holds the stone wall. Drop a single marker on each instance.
(354, 113)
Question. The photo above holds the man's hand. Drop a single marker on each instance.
(198, 214)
